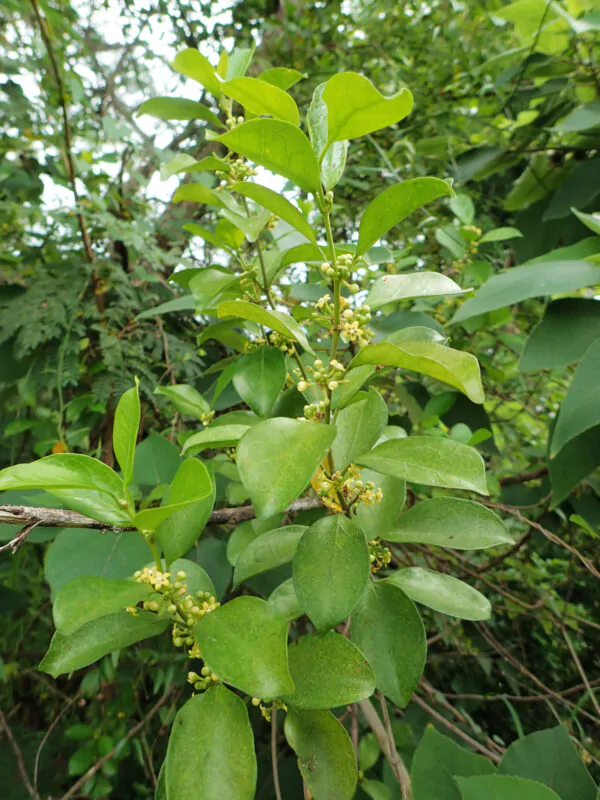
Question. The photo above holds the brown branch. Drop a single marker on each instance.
(19, 539)
(130, 734)
(19, 757)
(523, 477)
(390, 752)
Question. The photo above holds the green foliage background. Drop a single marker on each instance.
(507, 103)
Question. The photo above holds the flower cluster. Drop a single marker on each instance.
(327, 378)
(203, 681)
(353, 321)
(379, 555)
(172, 598)
(266, 710)
(348, 488)
(207, 417)
(341, 271)
(238, 170)
(285, 345)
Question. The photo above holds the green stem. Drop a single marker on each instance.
(155, 552)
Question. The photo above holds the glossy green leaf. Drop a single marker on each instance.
(279, 146)
(160, 793)
(591, 221)
(368, 751)
(214, 437)
(276, 204)
(246, 532)
(259, 376)
(392, 288)
(156, 461)
(550, 757)
(377, 519)
(567, 329)
(354, 380)
(501, 787)
(194, 65)
(181, 530)
(267, 551)
(534, 280)
(258, 98)
(284, 77)
(212, 237)
(376, 790)
(89, 597)
(450, 522)
(68, 652)
(244, 643)
(252, 226)
(278, 457)
(331, 570)
(191, 484)
(580, 119)
(186, 399)
(580, 410)
(332, 158)
(285, 601)
(196, 578)
(177, 108)
(396, 203)
(442, 592)
(429, 460)
(183, 303)
(501, 235)
(208, 284)
(325, 753)
(329, 671)
(239, 61)
(198, 193)
(454, 367)
(356, 108)
(358, 427)
(436, 760)
(388, 629)
(276, 320)
(211, 749)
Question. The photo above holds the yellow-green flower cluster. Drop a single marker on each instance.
(327, 378)
(352, 323)
(341, 270)
(349, 488)
(203, 681)
(285, 345)
(379, 555)
(267, 710)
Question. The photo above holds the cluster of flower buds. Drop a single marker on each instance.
(353, 323)
(266, 710)
(341, 271)
(285, 345)
(203, 681)
(379, 555)
(349, 488)
(316, 412)
(207, 417)
(232, 121)
(327, 378)
(239, 170)
(172, 597)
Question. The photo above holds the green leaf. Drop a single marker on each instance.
(577, 459)
(450, 522)
(208, 284)
(329, 671)
(436, 760)
(331, 570)
(285, 601)
(396, 203)
(368, 751)
(68, 652)
(442, 592)
(211, 749)
(579, 411)
(279, 146)
(356, 108)
(463, 208)
(567, 329)
(251, 226)
(178, 109)
(267, 551)
(186, 399)
(591, 221)
(213, 437)
(258, 98)
(354, 380)
(534, 280)
(82, 552)
(194, 65)
(276, 320)
(283, 77)
(580, 119)
(197, 193)
(244, 643)
(89, 597)
(276, 204)
(392, 288)
(332, 158)
(239, 61)
(376, 790)
(212, 237)
(184, 303)
(258, 377)
(160, 793)
(550, 757)
(191, 483)
(430, 461)
(325, 753)
(501, 235)
(181, 530)
(388, 629)
(196, 578)
(377, 519)
(278, 457)
(125, 431)
(358, 427)
(156, 461)
(501, 787)
(445, 364)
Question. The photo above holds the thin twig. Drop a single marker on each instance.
(19, 757)
(55, 722)
(19, 539)
(274, 763)
(390, 753)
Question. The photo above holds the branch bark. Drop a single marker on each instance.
(388, 750)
